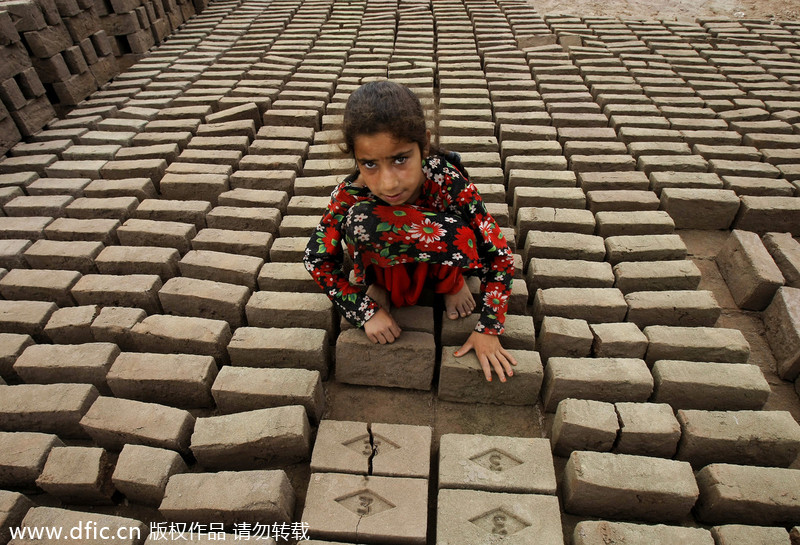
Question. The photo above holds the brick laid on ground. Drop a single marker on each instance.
(229, 497)
(79, 475)
(476, 516)
(82, 363)
(496, 464)
(462, 379)
(239, 389)
(114, 422)
(740, 534)
(71, 325)
(595, 305)
(406, 363)
(782, 327)
(748, 269)
(221, 267)
(182, 335)
(139, 260)
(46, 408)
(13, 507)
(600, 484)
(736, 494)
(590, 532)
(40, 285)
(714, 344)
(22, 457)
(361, 508)
(11, 346)
(768, 214)
(581, 424)
(618, 340)
(204, 299)
(564, 337)
(634, 276)
(295, 347)
(128, 531)
(644, 248)
(785, 250)
(141, 473)
(113, 325)
(568, 273)
(275, 309)
(130, 290)
(764, 438)
(647, 429)
(622, 379)
(76, 255)
(348, 447)
(177, 380)
(684, 308)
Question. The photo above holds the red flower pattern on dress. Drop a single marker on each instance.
(465, 242)
(426, 231)
(398, 216)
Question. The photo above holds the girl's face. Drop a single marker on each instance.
(390, 168)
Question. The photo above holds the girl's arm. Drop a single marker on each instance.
(324, 259)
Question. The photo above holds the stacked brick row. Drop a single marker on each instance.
(134, 26)
(24, 109)
(155, 307)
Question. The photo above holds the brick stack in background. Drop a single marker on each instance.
(137, 25)
(24, 108)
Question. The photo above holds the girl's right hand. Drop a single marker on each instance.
(382, 328)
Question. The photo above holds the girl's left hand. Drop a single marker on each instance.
(491, 355)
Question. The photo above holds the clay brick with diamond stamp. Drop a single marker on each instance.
(367, 509)
(467, 517)
(494, 463)
(389, 450)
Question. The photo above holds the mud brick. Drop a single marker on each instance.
(11, 346)
(116, 208)
(554, 219)
(277, 180)
(153, 169)
(647, 429)
(25, 317)
(114, 422)
(131, 290)
(90, 152)
(686, 308)
(633, 276)
(166, 234)
(205, 299)
(709, 386)
(141, 473)
(696, 180)
(183, 335)
(462, 379)
(285, 277)
(177, 380)
(23, 457)
(141, 188)
(221, 267)
(75, 88)
(169, 152)
(726, 167)
(229, 497)
(472, 516)
(263, 198)
(12, 253)
(245, 112)
(240, 389)
(291, 163)
(129, 260)
(647, 222)
(786, 253)
(595, 305)
(47, 205)
(621, 486)
(82, 363)
(563, 273)
(782, 327)
(288, 249)
(244, 219)
(645, 248)
(739, 534)
(274, 309)
(69, 255)
(65, 520)
(749, 271)
(78, 475)
(696, 344)
(40, 285)
(589, 532)
(57, 147)
(700, 208)
(46, 408)
(613, 181)
(71, 325)
(764, 438)
(26, 164)
(72, 229)
(762, 187)
(13, 507)
(556, 245)
(739, 494)
(256, 244)
(519, 331)
(58, 186)
(564, 337)
(76, 169)
(184, 211)
(538, 178)
(768, 214)
(406, 363)
(622, 379)
(358, 508)
(581, 424)
(554, 197)
(255, 439)
(193, 186)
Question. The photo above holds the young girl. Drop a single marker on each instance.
(409, 214)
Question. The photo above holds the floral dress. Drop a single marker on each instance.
(447, 225)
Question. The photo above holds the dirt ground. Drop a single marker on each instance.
(681, 10)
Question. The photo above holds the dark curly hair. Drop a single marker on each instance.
(384, 106)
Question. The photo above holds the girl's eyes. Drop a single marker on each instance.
(400, 160)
